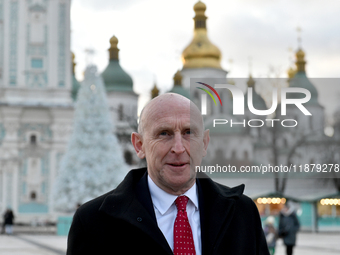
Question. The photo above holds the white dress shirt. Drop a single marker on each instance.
(166, 212)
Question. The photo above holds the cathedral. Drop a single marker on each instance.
(243, 146)
(38, 89)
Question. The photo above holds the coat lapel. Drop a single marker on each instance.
(125, 204)
(216, 211)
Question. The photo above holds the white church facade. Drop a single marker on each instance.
(37, 94)
(36, 107)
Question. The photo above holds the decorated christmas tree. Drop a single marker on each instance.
(93, 163)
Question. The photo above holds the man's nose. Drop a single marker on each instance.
(177, 146)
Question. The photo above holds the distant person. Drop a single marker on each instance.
(3, 225)
(288, 227)
(271, 234)
(8, 221)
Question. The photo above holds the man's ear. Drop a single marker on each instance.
(206, 139)
(137, 143)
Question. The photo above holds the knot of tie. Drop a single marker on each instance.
(181, 203)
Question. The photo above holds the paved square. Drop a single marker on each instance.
(307, 244)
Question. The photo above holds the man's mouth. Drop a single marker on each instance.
(177, 164)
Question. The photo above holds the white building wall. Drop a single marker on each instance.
(35, 99)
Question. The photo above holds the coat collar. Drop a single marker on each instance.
(217, 207)
(131, 201)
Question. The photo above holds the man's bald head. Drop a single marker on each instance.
(172, 139)
(167, 100)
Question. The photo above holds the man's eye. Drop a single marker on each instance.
(163, 133)
(188, 132)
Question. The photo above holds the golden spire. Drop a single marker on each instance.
(300, 54)
(200, 18)
(178, 78)
(251, 82)
(154, 91)
(300, 60)
(73, 63)
(201, 52)
(114, 49)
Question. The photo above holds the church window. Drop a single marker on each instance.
(37, 63)
(33, 195)
(33, 140)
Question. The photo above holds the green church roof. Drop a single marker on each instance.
(115, 78)
(180, 90)
(258, 101)
(300, 80)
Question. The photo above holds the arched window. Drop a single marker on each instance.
(33, 139)
(33, 195)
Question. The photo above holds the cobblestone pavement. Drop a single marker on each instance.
(308, 244)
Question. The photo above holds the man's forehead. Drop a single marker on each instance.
(170, 106)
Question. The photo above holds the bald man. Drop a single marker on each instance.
(164, 208)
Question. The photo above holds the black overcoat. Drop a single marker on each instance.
(123, 221)
(288, 227)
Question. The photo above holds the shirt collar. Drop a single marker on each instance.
(163, 200)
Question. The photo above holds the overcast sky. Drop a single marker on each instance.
(152, 35)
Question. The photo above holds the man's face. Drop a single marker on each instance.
(173, 144)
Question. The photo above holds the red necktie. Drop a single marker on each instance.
(183, 240)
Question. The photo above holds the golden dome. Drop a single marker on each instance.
(291, 72)
(113, 41)
(178, 78)
(200, 6)
(114, 49)
(300, 60)
(201, 52)
(300, 54)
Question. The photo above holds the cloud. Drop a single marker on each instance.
(152, 35)
(104, 5)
